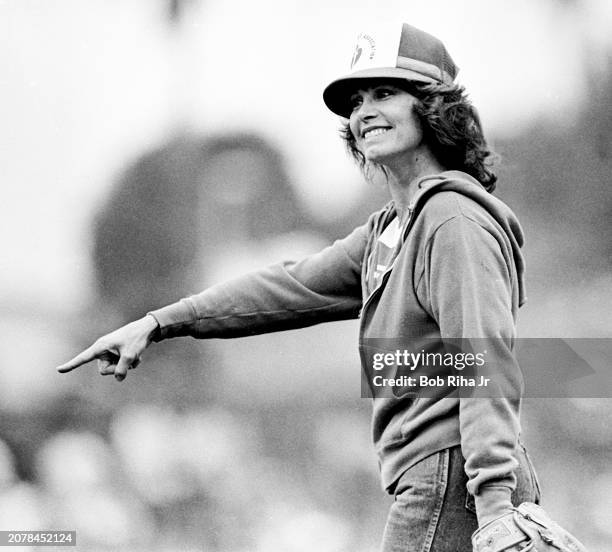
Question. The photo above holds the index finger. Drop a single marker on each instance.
(84, 357)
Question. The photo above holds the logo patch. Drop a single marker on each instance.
(365, 48)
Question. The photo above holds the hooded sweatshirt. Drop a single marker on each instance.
(455, 271)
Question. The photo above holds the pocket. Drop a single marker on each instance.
(416, 512)
(427, 475)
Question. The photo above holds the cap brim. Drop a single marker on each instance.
(338, 93)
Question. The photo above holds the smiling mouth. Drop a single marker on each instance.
(374, 132)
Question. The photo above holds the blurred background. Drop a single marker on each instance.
(150, 148)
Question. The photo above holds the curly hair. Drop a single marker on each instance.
(451, 128)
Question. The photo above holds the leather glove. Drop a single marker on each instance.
(526, 528)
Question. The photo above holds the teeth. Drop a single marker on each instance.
(375, 132)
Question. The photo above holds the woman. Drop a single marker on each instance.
(441, 261)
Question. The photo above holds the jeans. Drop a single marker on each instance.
(433, 512)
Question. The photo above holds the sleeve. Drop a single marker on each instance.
(470, 281)
(323, 287)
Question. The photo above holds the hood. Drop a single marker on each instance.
(462, 183)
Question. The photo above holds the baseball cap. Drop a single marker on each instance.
(397, 52)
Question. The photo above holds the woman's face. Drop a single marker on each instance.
(384, 123)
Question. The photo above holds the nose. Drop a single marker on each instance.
(366, 109)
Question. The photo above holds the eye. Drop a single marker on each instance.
(383, 92)
(355, 101)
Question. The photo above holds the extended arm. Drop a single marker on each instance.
(322, 287)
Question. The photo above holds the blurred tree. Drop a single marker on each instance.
(179, 204)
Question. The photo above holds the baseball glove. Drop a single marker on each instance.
(526, 528)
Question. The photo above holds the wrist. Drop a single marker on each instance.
(492, 502)
(151, 325)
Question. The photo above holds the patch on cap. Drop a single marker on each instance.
(365, 46)
(376, 48)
